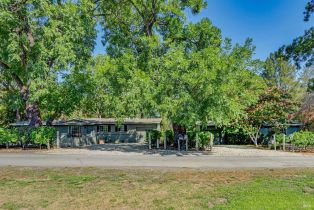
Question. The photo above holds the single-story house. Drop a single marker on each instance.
(88, 131)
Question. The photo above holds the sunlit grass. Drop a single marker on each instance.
(94, 188)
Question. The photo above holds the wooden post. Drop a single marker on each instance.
(186, 143)
(284, 142)
(165, 141)
(149, 141)
(196, 141)
(58, 139)
(211, 142)
(94, 137)
(157, 143)
(275, 144)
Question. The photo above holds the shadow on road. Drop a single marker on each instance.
(143, 149)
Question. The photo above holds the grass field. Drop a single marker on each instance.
(94, 188)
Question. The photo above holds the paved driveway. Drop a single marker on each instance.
(220, 158)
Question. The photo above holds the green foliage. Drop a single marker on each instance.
(169, 67)
(38, 40)
(43, 135)
(203, 138)
(301, 49)
(8, 135)
(272, 108)
(279, 138)
(279, 72)
(235, 135)
(154, 134)
(170, 137)
(309, 9)
(303, 138)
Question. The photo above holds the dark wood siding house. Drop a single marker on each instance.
(88, 131)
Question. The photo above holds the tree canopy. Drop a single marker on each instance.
(40, 38)
(157, 64)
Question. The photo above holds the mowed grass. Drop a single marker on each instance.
(94, 188)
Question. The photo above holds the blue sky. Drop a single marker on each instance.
(270, 23)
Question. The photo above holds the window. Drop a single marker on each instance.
(75, 131)
(121, 128)
(103, 128)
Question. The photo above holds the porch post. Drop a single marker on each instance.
(149, 141)
(196, 145)
(186, 143)
(211, 143)
(165, 141)
(58, 139)
(94, 137)
(198, 129)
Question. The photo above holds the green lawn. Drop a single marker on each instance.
(93, 188)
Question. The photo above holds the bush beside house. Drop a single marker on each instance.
(30, 136)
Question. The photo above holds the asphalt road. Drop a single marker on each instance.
(170, 161)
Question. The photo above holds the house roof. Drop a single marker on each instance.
(97, 121)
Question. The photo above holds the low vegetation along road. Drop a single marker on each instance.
(221, 157)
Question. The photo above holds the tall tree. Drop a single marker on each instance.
(281, 73)
(302, 48)
(39, 38)
(184, 77)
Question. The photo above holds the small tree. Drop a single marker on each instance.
(43, 135)
(8, 136)
(272, 108)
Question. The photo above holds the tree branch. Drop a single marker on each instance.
(18, 80)
(4, 65)
(137, 9)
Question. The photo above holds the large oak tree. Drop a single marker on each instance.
(39, 38)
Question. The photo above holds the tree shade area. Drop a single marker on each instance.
(157, 64)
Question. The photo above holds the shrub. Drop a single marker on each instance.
(8, 136)
(303, 138)
(280, 137)
(155, 134)
(203, 138)
(43, 135)
(170, 137)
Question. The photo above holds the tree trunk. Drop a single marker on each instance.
(33, 114)
(254, 139)
(31, 109)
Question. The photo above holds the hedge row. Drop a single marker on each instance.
(301, 138)
(24, 136)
